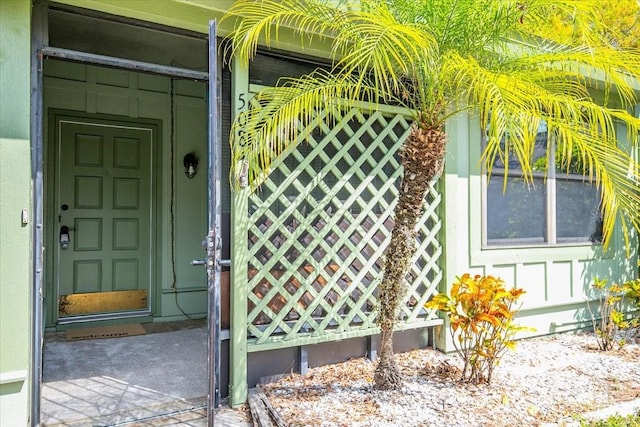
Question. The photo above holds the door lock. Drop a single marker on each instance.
(64, 237)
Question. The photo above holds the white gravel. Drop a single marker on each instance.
(546, 380)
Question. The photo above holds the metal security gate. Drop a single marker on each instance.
(40, 51)
(316, 230)
(213, 239)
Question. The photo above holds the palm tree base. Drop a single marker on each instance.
(387, 375)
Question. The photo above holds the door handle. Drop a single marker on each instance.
(223, 262)
(64, 237)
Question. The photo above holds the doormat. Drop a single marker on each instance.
(101, 332)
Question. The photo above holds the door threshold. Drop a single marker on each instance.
(104, 319)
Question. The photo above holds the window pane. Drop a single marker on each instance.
(266, 70)
(577, 212)
(517, 215)
(538, 158)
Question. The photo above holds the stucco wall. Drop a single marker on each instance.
(15, 237)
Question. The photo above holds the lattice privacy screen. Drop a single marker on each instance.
(318, 227)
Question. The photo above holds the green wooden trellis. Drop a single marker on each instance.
(316, 230)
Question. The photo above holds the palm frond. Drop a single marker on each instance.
(280, 114)
(440, 56)
(513, 103)
(368, 42)
(508, 112)
(603, 68)
(261, 21)
(375, 45)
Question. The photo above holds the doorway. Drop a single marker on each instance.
(104, 191)
(124, 219)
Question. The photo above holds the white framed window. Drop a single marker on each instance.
(561, 208)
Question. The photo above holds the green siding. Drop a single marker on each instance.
(557, 278)
(15, 36)
(15, 283)
(15, 240)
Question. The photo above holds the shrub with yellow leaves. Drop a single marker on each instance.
(481, 313)
(610, 326)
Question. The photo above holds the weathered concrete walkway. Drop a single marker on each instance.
(158, 379)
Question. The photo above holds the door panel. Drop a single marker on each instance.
(103, 197)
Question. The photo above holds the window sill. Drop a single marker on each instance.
(522, 244)
(537, 252)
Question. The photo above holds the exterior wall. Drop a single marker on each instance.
(15, 195)
(557, 278)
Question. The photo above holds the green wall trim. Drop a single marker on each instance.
(308, 339)
(509, 255)
(13, 376)
(238, 387)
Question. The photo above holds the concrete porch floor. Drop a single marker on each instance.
(157, 379)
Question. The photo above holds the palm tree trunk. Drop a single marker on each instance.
(422, 158)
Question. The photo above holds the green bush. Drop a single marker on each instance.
(632, 289)
(612, 320)
(614, 421)
(481, 313)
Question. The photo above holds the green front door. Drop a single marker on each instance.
(103, 203)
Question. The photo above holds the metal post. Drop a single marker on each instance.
(129, 64)
(214, 241)
(39, 35)
(303, 360)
